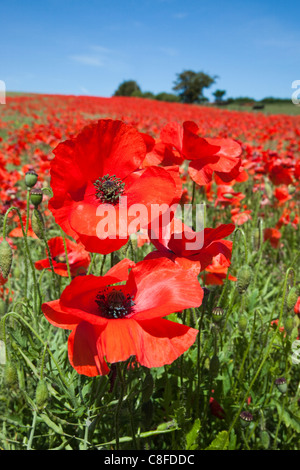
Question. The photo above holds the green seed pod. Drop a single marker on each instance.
(37, 223)
(265, 439)
(217, 314)
(214, 366)
(6, 256)
(246, 418)
(292, 298)
(10, 375)
(281, 384)
(36, 197)
(242, 324)
(30, 178)
(243, 278)
(289, 325)
(41, 394)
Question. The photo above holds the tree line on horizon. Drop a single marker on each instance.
(189, 88)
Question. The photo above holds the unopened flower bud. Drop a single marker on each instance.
(281, 384)
(6, 256)
(292, 298)
(37, 223)
(246, 418)
(242, 324)
(10, 375)
(30, 178)
(36, 197)
(41, 394)
(244, 278)
(289, 325)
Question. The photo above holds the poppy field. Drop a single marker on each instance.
(123, 325)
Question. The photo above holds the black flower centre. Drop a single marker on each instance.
(114, 304)
(109, 189)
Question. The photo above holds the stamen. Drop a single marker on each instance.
(109, 189)
(114, 304)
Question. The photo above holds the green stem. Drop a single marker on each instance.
(66, 253)
(29, 444)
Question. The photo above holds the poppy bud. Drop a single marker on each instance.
(214, 366)
(246, 418)
(6, 256)
(41, 394)
(292, 298)
(243, 278)
(281, 384)
(37, 223)
(217, 314)
(265, 439)
(10, 375)
(289, 325)
(242, 324)
(30, 178)
(36, 197)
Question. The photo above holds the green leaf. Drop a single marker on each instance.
(192, 435)
(220, 442)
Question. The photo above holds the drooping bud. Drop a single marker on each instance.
(281, 384)
(243, 278)
(36, 197)
(6, 256)
(41, 394)
(292, 298)
(246, 417)
(37, 223)
(30, 178)
(10, 375)
(217, 314)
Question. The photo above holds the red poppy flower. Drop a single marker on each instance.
(91, 172)
(273, 235)
(113, 322)
(207, 156)
(226, 196)
(79, 258)
(216, 409)
(239, 218)
(191, 250)
(297, 306)
(216, 272)
(282, 195)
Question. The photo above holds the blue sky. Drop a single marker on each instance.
(90, 47)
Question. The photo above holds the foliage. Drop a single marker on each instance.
(190, 85)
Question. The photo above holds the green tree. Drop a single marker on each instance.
(127, 88)
(190, 85)
(219, 95)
